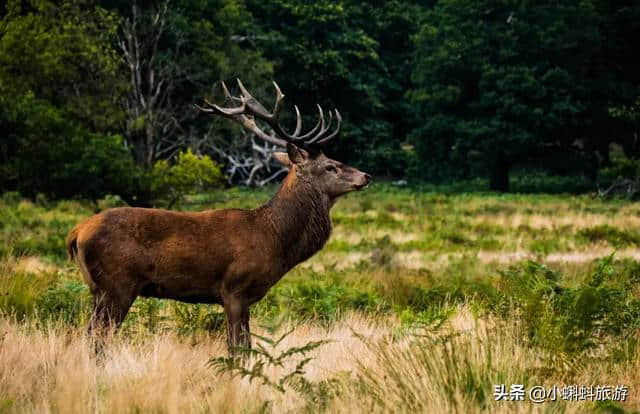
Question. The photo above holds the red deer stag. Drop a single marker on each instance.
(230, 257)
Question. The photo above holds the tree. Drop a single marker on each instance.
(502, 82)
(330, 53)
(173, 53)
(57, 117)
(152, 117)
(61, 52)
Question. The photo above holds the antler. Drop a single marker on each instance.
(250, 109)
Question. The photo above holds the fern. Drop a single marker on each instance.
(251, 363)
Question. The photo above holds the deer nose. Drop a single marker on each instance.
(368, 177)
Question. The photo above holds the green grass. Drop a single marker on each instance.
(397, 254)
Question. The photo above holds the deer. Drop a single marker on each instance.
(230, 257)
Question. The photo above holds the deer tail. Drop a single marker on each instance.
(72, 242)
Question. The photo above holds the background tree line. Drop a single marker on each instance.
(96, 96)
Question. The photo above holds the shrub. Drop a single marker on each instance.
(319, 297)
(189, 318)
(572, 319)
(110, 201)
(540, 182)
(189, 173)
(67, 300)
(621, 167)
(258, 361)
(384, 252)
(47, 152)
(46, 295)
(614, 236)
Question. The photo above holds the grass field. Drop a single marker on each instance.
(420, 302)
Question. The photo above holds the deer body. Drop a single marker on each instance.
(201, 257)
(231, 257)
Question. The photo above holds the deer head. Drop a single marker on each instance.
(304, 152)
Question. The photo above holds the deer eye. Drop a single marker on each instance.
(331, 168)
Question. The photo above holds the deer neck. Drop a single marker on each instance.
(298, 216)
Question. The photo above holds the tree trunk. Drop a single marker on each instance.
(499, 169)
(143, 147)
(140, 150)
(150, 143)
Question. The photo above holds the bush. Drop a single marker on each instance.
(319, 297)
(110, 201)
(43, 295)
(190, 173)
(616, 237)
(540, 182)
(67, 300)
(573, 319)
(621, 167)
(47, 152)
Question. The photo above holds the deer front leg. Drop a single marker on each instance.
(236, 311)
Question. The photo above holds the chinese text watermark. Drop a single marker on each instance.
(539, 394)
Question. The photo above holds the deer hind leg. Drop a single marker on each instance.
(245, 332)
(109, 310)
(237, 316)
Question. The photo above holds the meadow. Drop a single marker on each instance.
(421, 301)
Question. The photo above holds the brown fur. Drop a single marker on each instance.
(231, 257)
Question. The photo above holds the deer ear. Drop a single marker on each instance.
(282, 158)
(296, 154)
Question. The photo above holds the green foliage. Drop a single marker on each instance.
(620, 167)
(147, 315)
(55, 122)
(319, 297)
(530, 182)
(443, 91)
(573, 319)
(616, 237)
(629, 113)
(25, 229)
(68, 51)
(191, 318)
(350, 55)
(66, 300)
(110, 201)
(577, 319)
(251, 363)
(428, 321)
(500, 84)
(64, 117)
(42, 296)
(189, 174)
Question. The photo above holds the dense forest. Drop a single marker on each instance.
(96, 97)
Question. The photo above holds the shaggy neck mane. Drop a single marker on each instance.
(298, 216)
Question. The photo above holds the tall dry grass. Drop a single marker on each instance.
(450, 369)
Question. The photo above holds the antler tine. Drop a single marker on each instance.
(253, 105)
(242, 114)
(255, 108)
(227, 94)
(323, 130)
(250, 108)
(202, 109)
(335, 132)
(224, 111)
(298, 122)
(322, 127)
(315, 128)
(279, 98)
